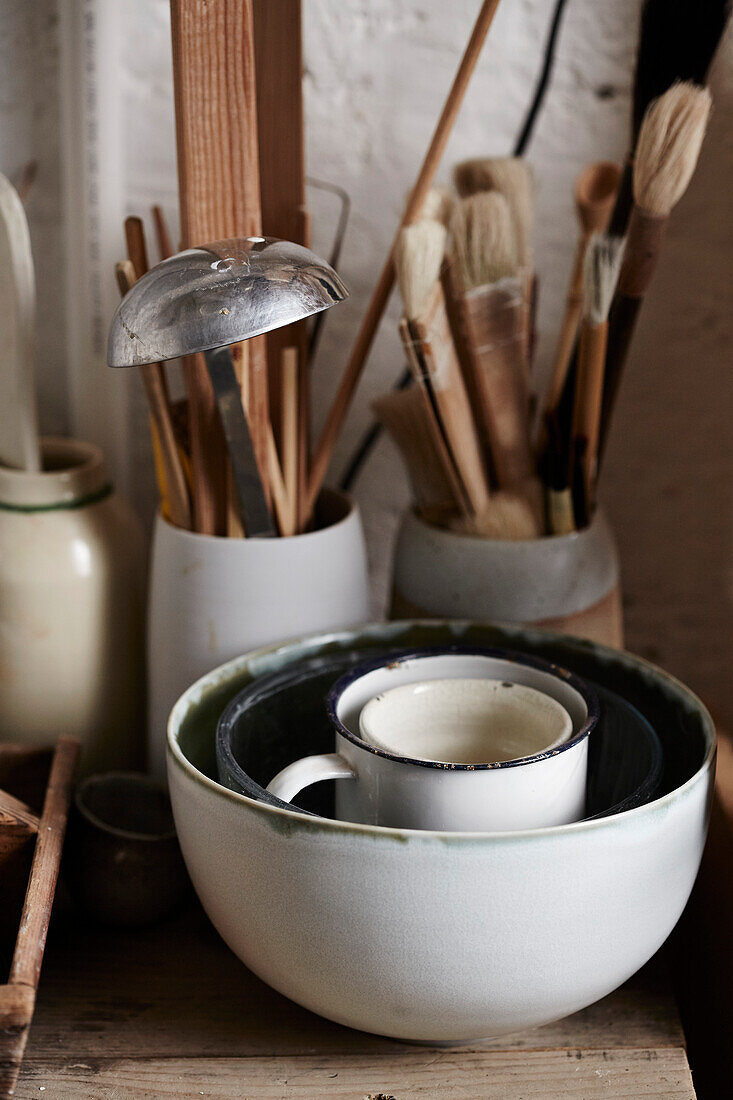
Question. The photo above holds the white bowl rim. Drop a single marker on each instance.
(314, 823)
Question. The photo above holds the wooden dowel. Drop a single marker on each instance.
(280, 499)
(14, 812)
(176, 488)
(163, 237)
(340, 406)
(31, 941)
(280, 129)
(289, 396)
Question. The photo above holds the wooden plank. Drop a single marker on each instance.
(542, 1075)
(216, 130)
(280, 124)
(123, 994)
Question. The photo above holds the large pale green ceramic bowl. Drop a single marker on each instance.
(443, 936)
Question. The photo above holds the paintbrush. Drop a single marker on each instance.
(677, 42)
(511, 177)
(437, 206)
(340, 405)
(506, 516)
(560, 518)
(406, 418)
(595, 192)
(485, 280)
(667, 151)
(428, 342)
(600, 275)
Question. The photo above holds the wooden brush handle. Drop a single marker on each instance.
(569, 326)
(492, 321)
(432, 421)
(624, 201)
(587, 409)
(407, 420)
(340, 406)
(641, 254)
(451, 399)
(643, 247)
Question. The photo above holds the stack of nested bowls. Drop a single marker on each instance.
(433, 935)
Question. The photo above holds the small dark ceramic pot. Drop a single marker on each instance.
(122, 862)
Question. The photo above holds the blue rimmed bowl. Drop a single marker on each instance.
(443, 936)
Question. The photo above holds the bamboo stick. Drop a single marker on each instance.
(340, 406)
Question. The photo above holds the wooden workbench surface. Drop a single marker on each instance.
(170, 1012)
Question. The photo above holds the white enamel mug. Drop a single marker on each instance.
(385, 788)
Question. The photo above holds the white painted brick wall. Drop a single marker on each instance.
(377, 74)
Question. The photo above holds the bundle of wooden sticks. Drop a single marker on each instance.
(479, 458)
(238, 94)
(466, 276)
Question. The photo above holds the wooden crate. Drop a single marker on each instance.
(35, 789)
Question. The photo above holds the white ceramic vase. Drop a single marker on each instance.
(566, 583)
(212, 599)
(71, 609)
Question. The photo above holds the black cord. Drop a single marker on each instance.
(525, 135)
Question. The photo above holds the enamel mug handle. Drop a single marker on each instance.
(309, 769)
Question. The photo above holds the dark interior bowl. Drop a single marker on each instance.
(280, 717)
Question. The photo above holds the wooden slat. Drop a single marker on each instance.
(541, 1075)
(218, 171)
(99, 1000)
(31, 940)
(279, 65)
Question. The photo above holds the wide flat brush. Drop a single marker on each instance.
(427, 338)
(667, 153)
(512, 178)
(432, 476)
(487, 289)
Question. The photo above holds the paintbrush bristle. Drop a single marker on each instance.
(437, 205)
(600, 275)
(506, 516)
(669, 144)
(484, 240)
(418, 258)
(677, 41)
(512, 178)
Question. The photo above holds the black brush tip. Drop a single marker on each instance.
(677, 41)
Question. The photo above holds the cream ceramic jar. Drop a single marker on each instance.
(213, 598)
(71, 608)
